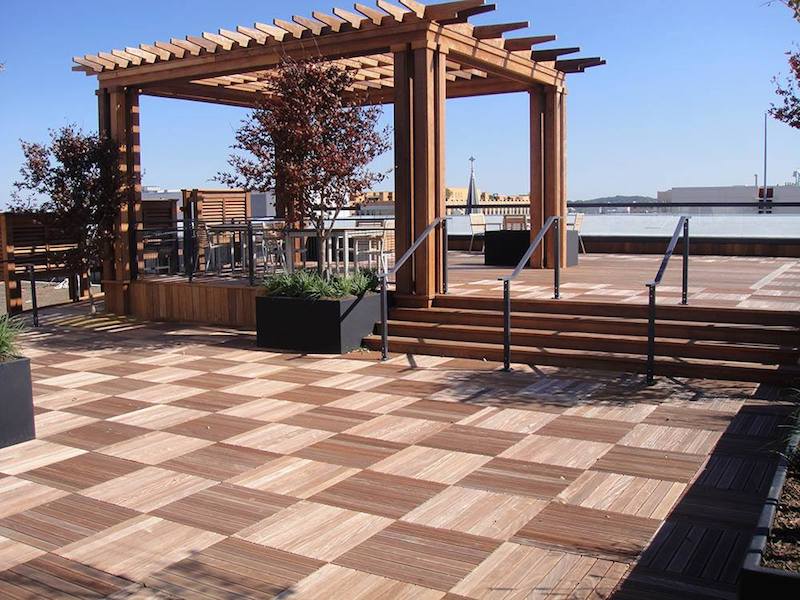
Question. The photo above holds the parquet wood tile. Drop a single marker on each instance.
(76, 379)
(293, 476)
(509, 419)
(475, 440)
(379, 494)
(431, 464)
(211, 401)
(81, 472)
(315, 530)
(13, 553)
(655, 464)
(165, 374)
(614, 536)
(330, 581)
(260, 388)
(297, 375)
(279, 438)
(154, 447)
(447, 412)
(372, 402)
(219, 461)
(164, 393)
(433, 558)
(394, 428)
(98, 435)
(329, 418)
(671, 416)
(350, 450)
(507, 476)
(158, 416)
(107, 407)
(312, 394)
(584, 428)
(18, 495)
(52, 422)
(215, 427)
(34, 454)
(578, 454)
(406, 387)
(66, 399)
(676, 439)
(224, 508)
(211, 381)
(269, 410)
(632, 413)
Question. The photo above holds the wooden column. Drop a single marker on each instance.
(537, 110)
(419, 167)
(554, 170)
(8, 266)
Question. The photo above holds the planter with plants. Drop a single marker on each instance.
(308, 312)
(771, 567)
(16, 399)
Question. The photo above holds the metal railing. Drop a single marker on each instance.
(507, 279)
(681, 230)
(384, 277)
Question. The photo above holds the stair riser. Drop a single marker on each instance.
(631, 311)
(594, 344)
(566, 324)
(723, 372)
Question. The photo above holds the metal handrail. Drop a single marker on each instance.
(384, 277)
(507, 279)
(681, 230)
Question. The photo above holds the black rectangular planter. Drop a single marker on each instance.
(317, 326)
(16, 402)
(756, 581)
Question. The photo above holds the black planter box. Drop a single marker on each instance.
(755, 580)
(16, 402)
(506, 247)
(317, 326)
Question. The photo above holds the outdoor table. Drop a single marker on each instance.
(346, 233)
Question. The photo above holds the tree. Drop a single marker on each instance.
(311, 141)
(788, 109)
(74, 185)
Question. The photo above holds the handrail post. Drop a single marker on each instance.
(651, 333)
(506, 325)
(251, 255)
(35, 307)
(384, 320)
(444, 254)
(685, 289)
(557, 257)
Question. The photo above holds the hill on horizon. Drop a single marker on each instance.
(612, 199)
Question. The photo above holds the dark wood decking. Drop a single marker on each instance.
(182, 462)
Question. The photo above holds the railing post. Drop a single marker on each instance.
(651, 334)
(557, 257)
(384, 320)
(444, 254)
(685, 290)
(188, 247)
(35, 303)
(506, 325)
(251, 254)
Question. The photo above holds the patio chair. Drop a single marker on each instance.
(211, 248)
(576, 225)
(515, 222)
(373, 246)
(477, 226)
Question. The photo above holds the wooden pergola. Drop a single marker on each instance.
(409, 54)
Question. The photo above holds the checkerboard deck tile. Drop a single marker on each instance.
(190, 466)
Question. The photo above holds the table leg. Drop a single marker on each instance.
(346, 250)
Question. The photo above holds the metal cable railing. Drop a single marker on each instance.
(384, 277)
(681, 230)
(507, 279)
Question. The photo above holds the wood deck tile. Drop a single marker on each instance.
(350, 450)
(154, 447)
(578, 454)
(224, 508)
(674, 416)
(463, 438)
(164, 393)
(212, 401)
(279, 438)
(251, 370)
(66, 399)
(406, 387)
(98, 435)
(215, 427)
(62, 521)
(632, 413)
(379, 494)
(34, 454)
(51, 422)
(751, 474)
(268, 409)
(106, 407)
(139, 546)
(302, 376)
(315, 530)
(329, 418)
(293, 476)
(18, 495)
(433, 558)
(76, 379)
(148, 488)
(82, 471)
(507, 476)
(165, 374)
(372, 402)
(510, 419)
(312, 394)
(13, 553)
(676, 439)
(613, 536)
(158, 416)
(488, 514)
(448, 412)
(118, 386)
(354, 382)
(720, 507)
(219, 461)
(655, 464)
(432, 464)
(211, 381)
(394, 428)
(583, 428)
(260, 388)
(331, 580)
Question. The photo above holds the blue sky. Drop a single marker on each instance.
(680, 102)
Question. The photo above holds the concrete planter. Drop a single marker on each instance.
(16, 402)
(317, 326)
(755, 580)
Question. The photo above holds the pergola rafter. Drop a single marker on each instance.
(403, 52)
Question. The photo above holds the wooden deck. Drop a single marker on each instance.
(179, 462)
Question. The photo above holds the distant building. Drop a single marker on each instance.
(735, 193)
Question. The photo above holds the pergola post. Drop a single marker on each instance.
(419, 96)
(555, 200)
(537, 110)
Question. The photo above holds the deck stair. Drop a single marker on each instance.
(691, 341)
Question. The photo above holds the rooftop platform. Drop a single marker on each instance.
(722, 281)
(179, 461)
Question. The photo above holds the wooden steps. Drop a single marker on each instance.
(762, 346)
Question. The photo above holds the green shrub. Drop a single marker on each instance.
(10, 329)
(313, 286)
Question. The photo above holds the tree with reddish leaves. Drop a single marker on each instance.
(74, 186)
(311, 142)
(788, 109)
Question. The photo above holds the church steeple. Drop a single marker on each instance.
(472, 190)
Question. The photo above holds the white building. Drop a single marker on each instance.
(735, 193)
